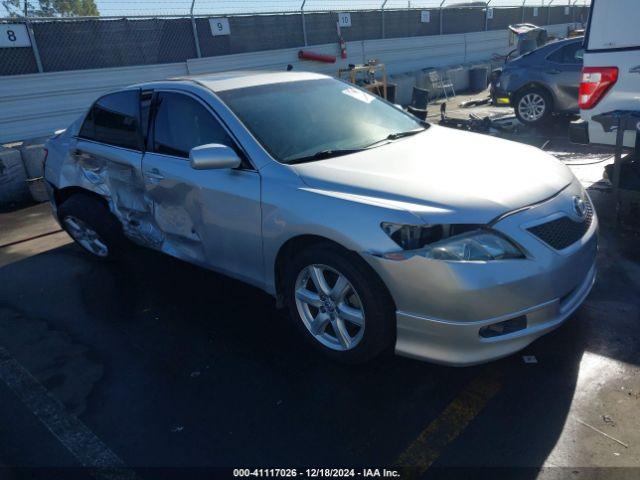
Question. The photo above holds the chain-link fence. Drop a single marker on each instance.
(125, 8)
(17, 55)
(200, 28)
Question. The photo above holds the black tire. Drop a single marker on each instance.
(379, 311)
(97, 216)
(534, 92)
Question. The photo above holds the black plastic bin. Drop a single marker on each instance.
(391, 92)
(478, 78)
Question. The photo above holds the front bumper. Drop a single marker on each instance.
(460, 344)
(500, 97)
(442, 306)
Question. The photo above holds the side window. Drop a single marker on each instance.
(182, 123)
(556, 56)
(115, 120)
(571, 54)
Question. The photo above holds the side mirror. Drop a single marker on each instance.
(213, 156)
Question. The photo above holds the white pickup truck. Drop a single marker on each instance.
(611, 71)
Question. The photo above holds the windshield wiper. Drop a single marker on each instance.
(323, 154)
(396, 136)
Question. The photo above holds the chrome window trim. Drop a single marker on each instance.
(77, 138)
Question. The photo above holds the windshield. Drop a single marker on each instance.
(314, 118)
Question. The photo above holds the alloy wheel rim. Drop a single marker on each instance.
(329, 307)
(86, 236)
(532, 107)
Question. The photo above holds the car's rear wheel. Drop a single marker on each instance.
(339, 304)
(533, 106)
(90, 223)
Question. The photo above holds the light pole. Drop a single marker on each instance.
(486, 16)
(304, 24)
(382, 14)
(440, 15)
(549, 12)
(194, 27)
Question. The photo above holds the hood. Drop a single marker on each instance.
(441, 174)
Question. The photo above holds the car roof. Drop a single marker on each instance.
(218, 82)
(544, 50)
(565, 41)
(560, 43)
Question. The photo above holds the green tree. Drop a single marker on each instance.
(51, 8)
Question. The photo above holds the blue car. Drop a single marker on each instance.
(542, 82)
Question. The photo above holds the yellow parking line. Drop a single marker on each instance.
(426, 449)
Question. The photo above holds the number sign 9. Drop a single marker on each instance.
(219, 26)
(14, 35)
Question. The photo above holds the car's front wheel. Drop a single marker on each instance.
(339, 304)
(90, 223)
(533, 106)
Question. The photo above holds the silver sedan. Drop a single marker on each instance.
(377, 231)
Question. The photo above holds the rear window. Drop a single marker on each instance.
(571, 54)
(614, 25)
(115, 120)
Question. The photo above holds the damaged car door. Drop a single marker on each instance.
(108, 152)
(212, 216)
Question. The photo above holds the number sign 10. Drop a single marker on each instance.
(344, 19)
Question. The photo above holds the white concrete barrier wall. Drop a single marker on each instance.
(278, 60)
(36, 105)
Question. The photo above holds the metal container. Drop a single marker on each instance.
(478, 78)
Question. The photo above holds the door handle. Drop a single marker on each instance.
(554, 71)
(80, 154)
(154, 175)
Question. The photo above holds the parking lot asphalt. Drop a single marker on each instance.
(153, 363)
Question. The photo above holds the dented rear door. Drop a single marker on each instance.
(108, 156)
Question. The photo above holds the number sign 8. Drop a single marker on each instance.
(14, 35)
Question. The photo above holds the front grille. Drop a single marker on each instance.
(563, 231)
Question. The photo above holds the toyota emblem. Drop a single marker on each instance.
(579, 207)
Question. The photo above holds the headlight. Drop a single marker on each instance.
(444, 242)
(411, 237)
